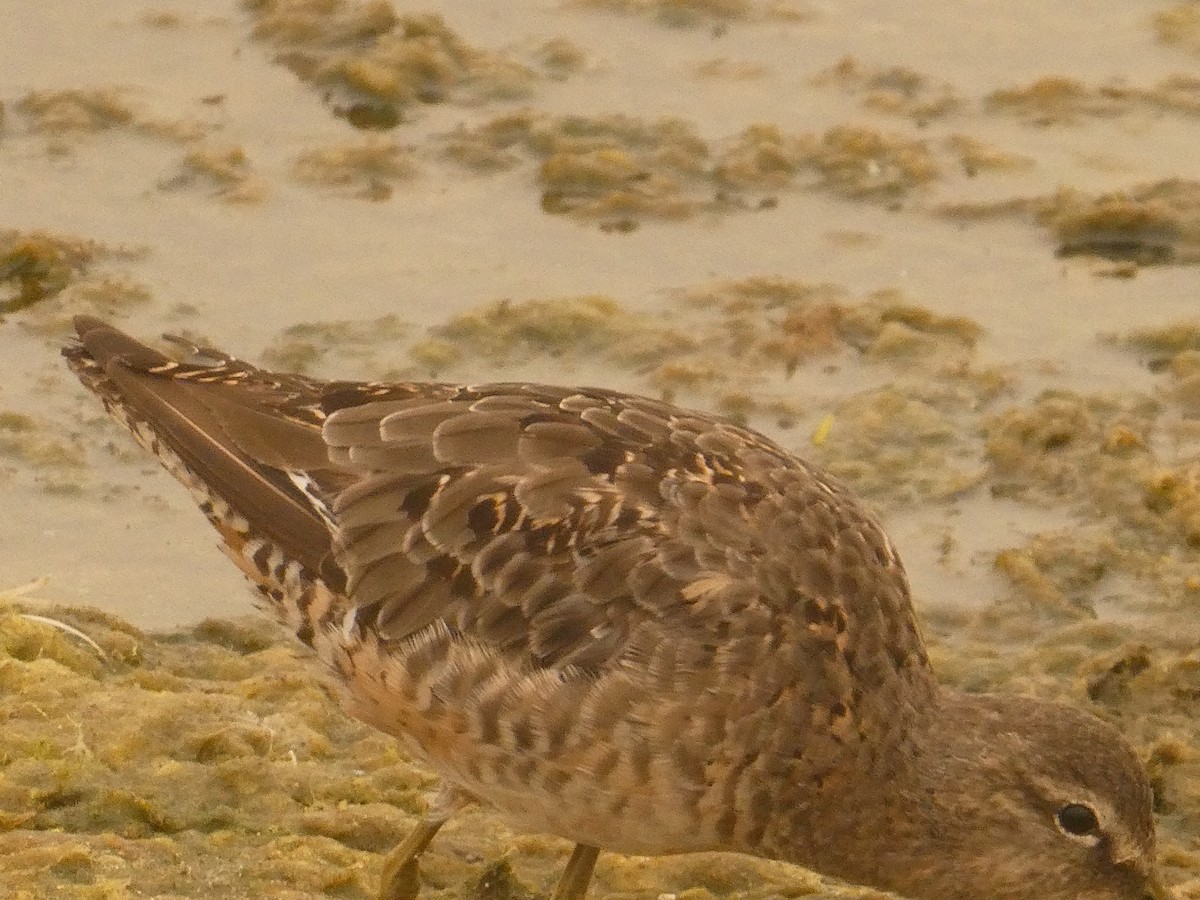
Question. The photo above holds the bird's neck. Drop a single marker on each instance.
(867, 829)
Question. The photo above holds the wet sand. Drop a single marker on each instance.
(949, 254)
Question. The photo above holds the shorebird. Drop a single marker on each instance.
(637, 627)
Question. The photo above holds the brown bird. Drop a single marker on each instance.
(638, 627)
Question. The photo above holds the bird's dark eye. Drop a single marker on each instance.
(1077, 819)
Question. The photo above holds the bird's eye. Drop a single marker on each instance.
(1077, 819)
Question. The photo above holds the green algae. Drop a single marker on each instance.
(339, 347)
(32, 442)
(894, 90)
(37, 266)
(898, 444)
(82, 110)
(624, 169)
(1179, 25)
(66, 116)
(1155, 223)
(1144, 229)
(716, 14)
(732, 344)
(222, 172)
(367, 168)
(375, 68)
(504, 331)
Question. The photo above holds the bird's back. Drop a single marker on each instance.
(565, 600)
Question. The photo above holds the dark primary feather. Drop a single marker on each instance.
(234, 427)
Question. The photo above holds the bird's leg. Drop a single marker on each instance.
(401, 878)
(575, 877)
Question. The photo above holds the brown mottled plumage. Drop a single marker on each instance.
(637, 627)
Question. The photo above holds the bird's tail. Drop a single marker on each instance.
(247, 444)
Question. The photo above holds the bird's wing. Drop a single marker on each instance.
(548, 524)
(551, 523)
(223, 427)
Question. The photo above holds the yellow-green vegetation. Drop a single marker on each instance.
(895, 90)
(222, 172)
(1093, 455)
(1176, 93)
(74, 112)
(722, 68)
(851, 161)
(716, 344)
(772, 322)
(365, 168)
(860, 162)
(975, 156)
(1060, 572)
(41, 447)
(1179, 25)
(162, 19)
(762, 156)
(897, 445)
(1057, 100)
(213, 746)
(620, 168)
(375, 66)
(715, 13)
(505, 332)
(358, 348)
(80, 110)
(1175, 351)
(561, 58)
(38, 265)
(1170, 344)
(1149, 224)
(613, 167)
